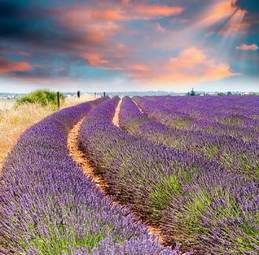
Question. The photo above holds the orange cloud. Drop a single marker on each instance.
(247, 47)
(98, 25)
(82, 16)
(79, 15)
(193, 66)
(138, 71)
(220, 10)
(94, 59)
(188, 58)
(7, 66)
(189, 67)
(151, 11)
(236, 24)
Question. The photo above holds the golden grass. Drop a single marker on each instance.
(6, 104)
(69, 101)
(15, 120)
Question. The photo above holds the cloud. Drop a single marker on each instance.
(218, 11)
(121, 38)
(191, 66)
(159, 28)
(7, 66)
(82, 15)
(79, 15)
(247, 47)
(138, 71)
(235, 24)
(94, 59)
(188, 58)
(155, 11)
(226, 16)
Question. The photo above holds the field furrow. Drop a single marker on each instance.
(49, 206)
(232, 153)
(182, 114)
(194, 201)
(140, 176)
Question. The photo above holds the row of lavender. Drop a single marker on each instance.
(232, 153)
(48, 206)
(194, 201)
(237, 116)
(242, 110)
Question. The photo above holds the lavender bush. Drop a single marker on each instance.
(48, 206)
(233, 153)
(206, 114)
(195, 201)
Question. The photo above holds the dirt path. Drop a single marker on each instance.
(115, 119)
(78, 156)
(140, 109)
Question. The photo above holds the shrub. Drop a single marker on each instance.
(43, 97)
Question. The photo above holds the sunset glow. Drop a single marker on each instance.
(129, 45)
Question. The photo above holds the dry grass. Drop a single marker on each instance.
(69, 101)
(6, 104)
(15, 120)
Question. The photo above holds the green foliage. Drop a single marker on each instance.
(63, 240)
(211, 151)
(42, 97)
(194, 210)
(231, 210)
(161, 196)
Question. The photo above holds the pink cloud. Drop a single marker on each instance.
(236, 24)
(218, 11)
(94, 59)
(82, 16)
(193, 66)
(78, 15)
(224, 11)
(138, 71)
(151, 11)
(188, 58)
(159, 28)
(7, 66)
(189, 67)
(247, 47)
(100, 25)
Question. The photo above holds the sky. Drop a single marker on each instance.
(129, 45)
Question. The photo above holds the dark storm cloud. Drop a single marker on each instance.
(35, 25)
(252, 16)
(31, 29)
(250, 5)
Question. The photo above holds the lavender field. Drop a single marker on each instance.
(185, 166)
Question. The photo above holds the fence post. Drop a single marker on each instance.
(103, 94)
(58, 99)
(78, 94)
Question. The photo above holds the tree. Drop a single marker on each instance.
(192, 93)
